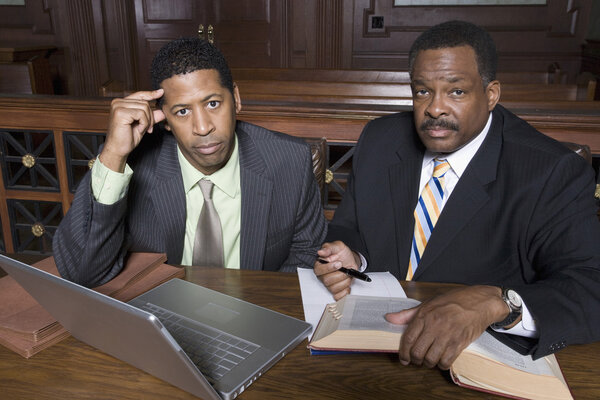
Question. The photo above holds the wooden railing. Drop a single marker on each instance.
(46, 143)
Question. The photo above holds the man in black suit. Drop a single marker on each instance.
(143, 191)
(517, 223)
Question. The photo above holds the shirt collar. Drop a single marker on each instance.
(226, 179)
(460, 159)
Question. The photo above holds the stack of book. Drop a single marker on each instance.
(26, 328)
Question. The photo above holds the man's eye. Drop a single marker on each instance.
(421, 92)
(183, 112)
(458, 92)
(213, 104)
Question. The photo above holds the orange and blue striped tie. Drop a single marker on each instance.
(426, 214)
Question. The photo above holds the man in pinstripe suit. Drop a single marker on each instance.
(142, 193)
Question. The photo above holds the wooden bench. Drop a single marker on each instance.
(391, 94)
(26, 69)
(392, 88)
(46, 143)
(27, 77)
(553, 75)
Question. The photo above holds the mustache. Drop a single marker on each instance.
(439, 123)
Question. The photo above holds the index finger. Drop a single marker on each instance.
(146, 95)
(322, 268)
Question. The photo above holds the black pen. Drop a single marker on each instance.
(350, 272)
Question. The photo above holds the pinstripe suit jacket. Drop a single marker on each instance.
(282, 223)
(522, 215)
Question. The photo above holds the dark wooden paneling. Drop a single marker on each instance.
(527, 37)
(33, 17)
(301, 38)
(156, 24)
(113, 40)
(172, 10)
(250, 33)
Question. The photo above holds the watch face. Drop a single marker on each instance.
(514, 298)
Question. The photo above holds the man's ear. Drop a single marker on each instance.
(236, 99)
(166, 125)
(493, 94)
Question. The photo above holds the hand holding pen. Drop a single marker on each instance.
(350, 272)
(336, 255)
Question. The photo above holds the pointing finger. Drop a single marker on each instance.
(146, 95)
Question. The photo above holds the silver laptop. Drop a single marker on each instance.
(205, 342)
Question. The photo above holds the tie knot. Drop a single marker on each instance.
(206, 188)
(440, 168)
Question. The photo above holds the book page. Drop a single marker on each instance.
(315, 295)
(368, 313)
(487, 345)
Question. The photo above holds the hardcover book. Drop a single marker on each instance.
(26, 328)
(357, 323)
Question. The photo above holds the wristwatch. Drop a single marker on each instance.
(515, 308)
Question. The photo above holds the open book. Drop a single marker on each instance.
(357, 323)
(27, 328)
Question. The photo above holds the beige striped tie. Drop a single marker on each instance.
(208, 242)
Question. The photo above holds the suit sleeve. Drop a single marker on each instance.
(344, 225)
(89, 245)
(310, 226)
(563, 248)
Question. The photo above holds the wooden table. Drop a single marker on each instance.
(74, 370)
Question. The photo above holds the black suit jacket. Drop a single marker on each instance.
(282, 222)
(522, 215)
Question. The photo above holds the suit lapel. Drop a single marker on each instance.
(469, 195)
(168, 198)
(256, 202)
(404, 186)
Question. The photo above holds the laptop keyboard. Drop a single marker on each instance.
(215, 353)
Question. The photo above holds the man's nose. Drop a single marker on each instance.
(437, 106)
(203, 124)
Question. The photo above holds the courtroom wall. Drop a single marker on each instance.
(100, 41)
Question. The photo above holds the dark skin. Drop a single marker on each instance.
(198, 110)
(451, 107)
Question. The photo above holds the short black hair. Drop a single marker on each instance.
(185, 55)
(455, 34)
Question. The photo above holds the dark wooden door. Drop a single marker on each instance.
(250, 33)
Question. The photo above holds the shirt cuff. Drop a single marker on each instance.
(527, 327)
(363, 263)
(109, 186)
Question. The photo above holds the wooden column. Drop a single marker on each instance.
(85, 63)
(329, 33)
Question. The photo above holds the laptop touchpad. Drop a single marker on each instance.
(216, 313)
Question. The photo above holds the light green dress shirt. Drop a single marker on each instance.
(109, 187)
